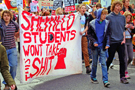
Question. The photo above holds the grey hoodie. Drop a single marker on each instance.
(117, 27)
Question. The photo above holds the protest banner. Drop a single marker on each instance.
(46, 4)
(50, 45)
(69, 5)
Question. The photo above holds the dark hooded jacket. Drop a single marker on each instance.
(92, 32)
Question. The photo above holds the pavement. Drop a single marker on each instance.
(80, 81)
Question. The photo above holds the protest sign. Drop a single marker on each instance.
(57, 4)
(86, 2)
(46, 4)
(105, 3)
(69, 5)
(50, 45)
(3, 6)
(20, 3)
(33, 7)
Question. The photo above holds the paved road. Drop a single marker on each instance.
(79, 82)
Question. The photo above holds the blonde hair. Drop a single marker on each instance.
(82, 5)
(8, 12)
(104, 11)
(127, 13)
(57, 10)
(115, 3)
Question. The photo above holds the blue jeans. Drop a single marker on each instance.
(12, 58)
(106, 53)
(95, 53)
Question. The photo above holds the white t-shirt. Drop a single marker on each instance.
(127, 34)
(82, 21)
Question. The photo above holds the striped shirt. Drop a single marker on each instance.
(9, 40)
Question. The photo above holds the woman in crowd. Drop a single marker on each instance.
(43, 10)
(46, 13)
(64, 12)
(130, 28)
(36, 13)
(59, 11)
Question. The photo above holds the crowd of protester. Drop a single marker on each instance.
(104, 31)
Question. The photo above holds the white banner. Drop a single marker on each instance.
(49, 45)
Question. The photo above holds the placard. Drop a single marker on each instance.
(3, 6)
(33, 7)
(20, 3)
(57, 4)
(105, 3)
(46, 4)
(69, 5)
